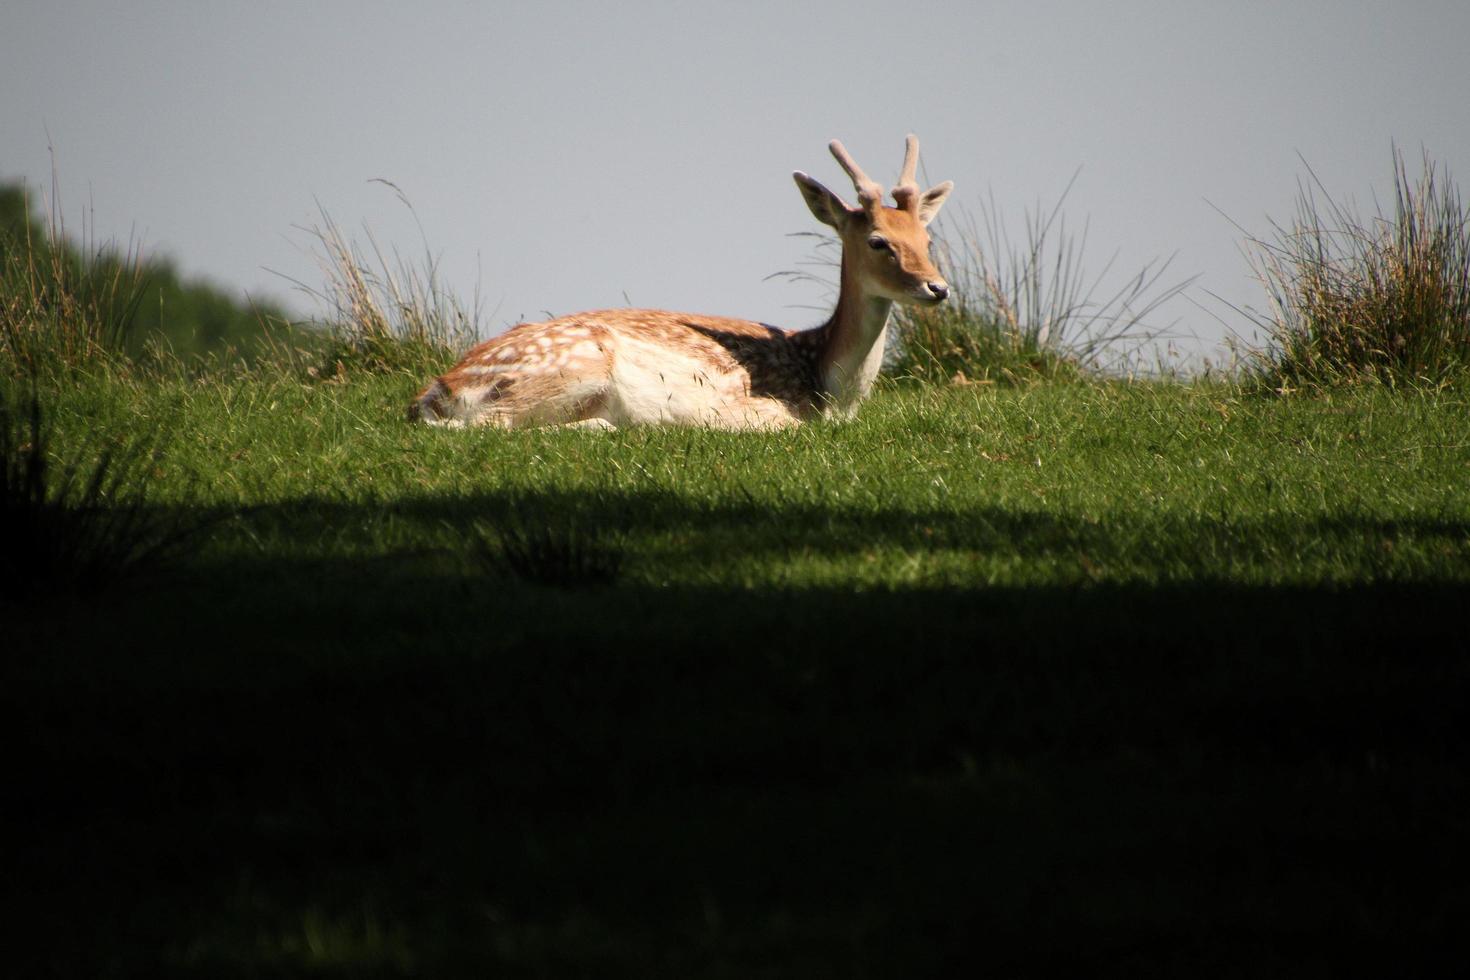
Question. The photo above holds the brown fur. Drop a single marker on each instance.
(631, 365)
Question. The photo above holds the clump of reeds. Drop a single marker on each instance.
(1352, 299)
(63, 306)
(383, 312)
(554, 547)
(1024, 311)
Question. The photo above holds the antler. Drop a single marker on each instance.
(869, 192)
(906, 191)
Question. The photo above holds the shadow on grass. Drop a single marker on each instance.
(1189, 548)
(387, 767)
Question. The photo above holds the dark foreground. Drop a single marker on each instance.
(240, 771)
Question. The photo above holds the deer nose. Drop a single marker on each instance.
(938, 289)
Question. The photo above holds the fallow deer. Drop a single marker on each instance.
(610, 368)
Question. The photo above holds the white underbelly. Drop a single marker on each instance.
(653, 384)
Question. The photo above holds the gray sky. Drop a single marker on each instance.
(565, 155)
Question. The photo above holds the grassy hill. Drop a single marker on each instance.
(1050, 674)
(1066, 677)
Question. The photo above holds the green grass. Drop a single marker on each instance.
(69, 299)
(75, 525)
(1069, 677)
(1026, 311)
(1137, 484)
(380, 314)
(1382, 300)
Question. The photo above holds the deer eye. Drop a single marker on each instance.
(877, 243)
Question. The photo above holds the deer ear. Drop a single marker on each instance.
(933, 200)
(826, 207)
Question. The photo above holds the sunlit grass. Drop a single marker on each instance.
(64, 305)
(1352, 299)
(1027, 311)
(382, 311)
(1070, 483)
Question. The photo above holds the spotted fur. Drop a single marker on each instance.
(654, 367)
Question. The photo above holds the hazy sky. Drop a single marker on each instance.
(568, 155)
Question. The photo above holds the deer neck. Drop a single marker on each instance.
(855, 338)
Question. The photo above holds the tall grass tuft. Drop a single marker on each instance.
(76, 527)
(385, 313)
(558, 548)
(64, 306)
(1384, 299)
(1027, 311)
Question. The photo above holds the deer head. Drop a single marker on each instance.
(885, 249)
